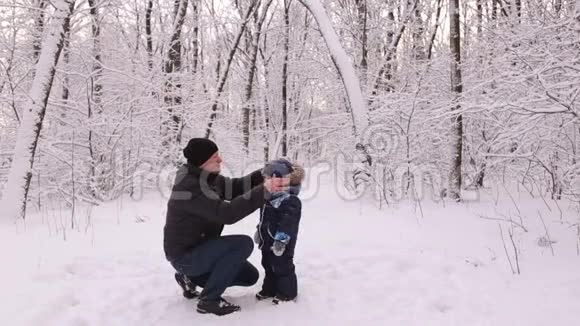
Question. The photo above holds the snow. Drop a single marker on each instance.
(356, 264)
(343, 64)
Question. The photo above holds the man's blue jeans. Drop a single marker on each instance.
(218, 264)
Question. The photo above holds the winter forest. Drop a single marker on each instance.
(412, 107)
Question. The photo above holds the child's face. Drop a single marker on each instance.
(266, 178)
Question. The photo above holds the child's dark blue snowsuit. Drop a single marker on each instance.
(280, 280)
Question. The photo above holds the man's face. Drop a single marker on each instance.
(213, 164)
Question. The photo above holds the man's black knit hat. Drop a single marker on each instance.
(199, 150)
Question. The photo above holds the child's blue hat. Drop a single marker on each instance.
(277, 168)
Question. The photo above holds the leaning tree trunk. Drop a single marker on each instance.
(16, 191)
(351, 82)
(344, 66)
(457, 88)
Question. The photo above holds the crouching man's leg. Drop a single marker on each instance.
(221, 260)
(247, 276)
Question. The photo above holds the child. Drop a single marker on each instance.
(277, 232)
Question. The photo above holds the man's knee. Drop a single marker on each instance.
(247, 276)
(253, 279)
(243, 244)
(246, 245)
(251, 274)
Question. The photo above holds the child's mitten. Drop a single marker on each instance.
(281, 239)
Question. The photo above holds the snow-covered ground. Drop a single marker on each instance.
(356, 264)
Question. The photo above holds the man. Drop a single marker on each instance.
(203, 201)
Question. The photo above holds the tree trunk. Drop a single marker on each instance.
(195, 7)
(432, 40)
(38, 28)
(248, 107)
(171, 123)
(16, 191)
(224, 77)
(418, 31)
(362, 13)
(505, 12)
(457, 88)
(265, 106)
(558, 7)
(97, 72)
(266, 116)
(66, 57)
(95, 103)
(390, 49)
(389, 52)
(285, 77)
(519, 10)
(479, 177)
(148, 33)
(479, 7)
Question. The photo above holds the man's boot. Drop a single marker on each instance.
(187, 286)
(218, 307)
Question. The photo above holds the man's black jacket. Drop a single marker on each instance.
(201, 203)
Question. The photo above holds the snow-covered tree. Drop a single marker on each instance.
(16, 191)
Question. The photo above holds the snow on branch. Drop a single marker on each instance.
(344, 66)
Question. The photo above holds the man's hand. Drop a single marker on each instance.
(276, 184)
